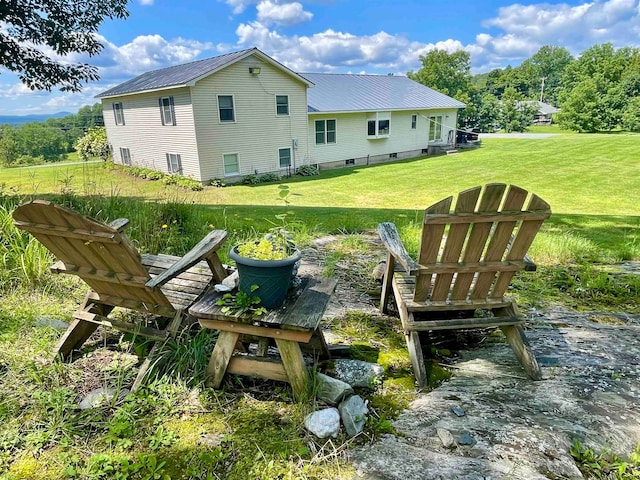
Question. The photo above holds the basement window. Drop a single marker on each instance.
(350, 161)
(125, 155)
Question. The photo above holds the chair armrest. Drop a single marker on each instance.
(202, 250)
(119, 224)
(391, 239)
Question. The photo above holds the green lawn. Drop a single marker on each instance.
(586, 174)
(591, 182)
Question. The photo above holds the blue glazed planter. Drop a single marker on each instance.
(271, 276)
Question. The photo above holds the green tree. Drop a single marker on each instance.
(544, 71)
(37, 139)
(93, 144)
(488, 114)
(598, 88)
(448, 73)
(515, 113)
(631, 115)
(35, 33)
(9, 152)
(580, 108)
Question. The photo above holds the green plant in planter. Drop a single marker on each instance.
(277, 243)
(268, 262)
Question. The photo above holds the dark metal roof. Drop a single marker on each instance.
(185, 74)
(347, 92)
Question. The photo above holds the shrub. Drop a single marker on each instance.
(307, 170)
(24, 160)
(217, 182)
(184, 182)
(251, 179)
(269, 177)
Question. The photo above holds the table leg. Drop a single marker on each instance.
(293, 364)
(220, 357)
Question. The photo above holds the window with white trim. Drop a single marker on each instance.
(225, 107)
(167, 111)
(230, 164)
(125, 156)
(435, 128)
(325, 131)
(284, 157)
(379, 124)
(414, 122)
(118, 113)
(282, 104)
(174, 163)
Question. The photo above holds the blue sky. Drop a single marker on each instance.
(339, 36)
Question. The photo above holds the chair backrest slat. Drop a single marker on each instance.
(488, 237)
(430, 246)
(500, 238)
(489, 204)
(456, 236)
(86, 247)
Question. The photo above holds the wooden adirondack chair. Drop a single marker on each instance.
(466, 262)
(118, 275)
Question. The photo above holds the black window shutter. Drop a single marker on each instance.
(173, 111)
(168, 163)
(161, 112)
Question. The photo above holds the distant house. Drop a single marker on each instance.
(544, 112)
(244, 113)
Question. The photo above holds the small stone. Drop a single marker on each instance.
(212, 440)
(332, 390)
(466, 439)
(459, 412)
(353, 412)
(97, 397)
(378, 271)
(323, 423)
(446, 438)
(232, 280)
(52, 323)
(221, 288)
(358, 373)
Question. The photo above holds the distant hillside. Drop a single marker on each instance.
(21, 119)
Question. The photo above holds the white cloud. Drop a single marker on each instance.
(144, 53)
(517, 32)
(146, 2)
(17, 89)
(526, 28)
(238, 6)
(285, 14)
(330, 50)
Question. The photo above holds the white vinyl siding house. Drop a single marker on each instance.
(243, 113)
(144, 134)
(354, 142)
(258, 131)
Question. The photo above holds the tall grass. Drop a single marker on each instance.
(23, 260)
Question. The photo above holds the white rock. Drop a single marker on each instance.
(97, 397)
(353, 412)
(323, 423)
(232, 280)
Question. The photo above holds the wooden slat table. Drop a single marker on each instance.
(292, 326)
